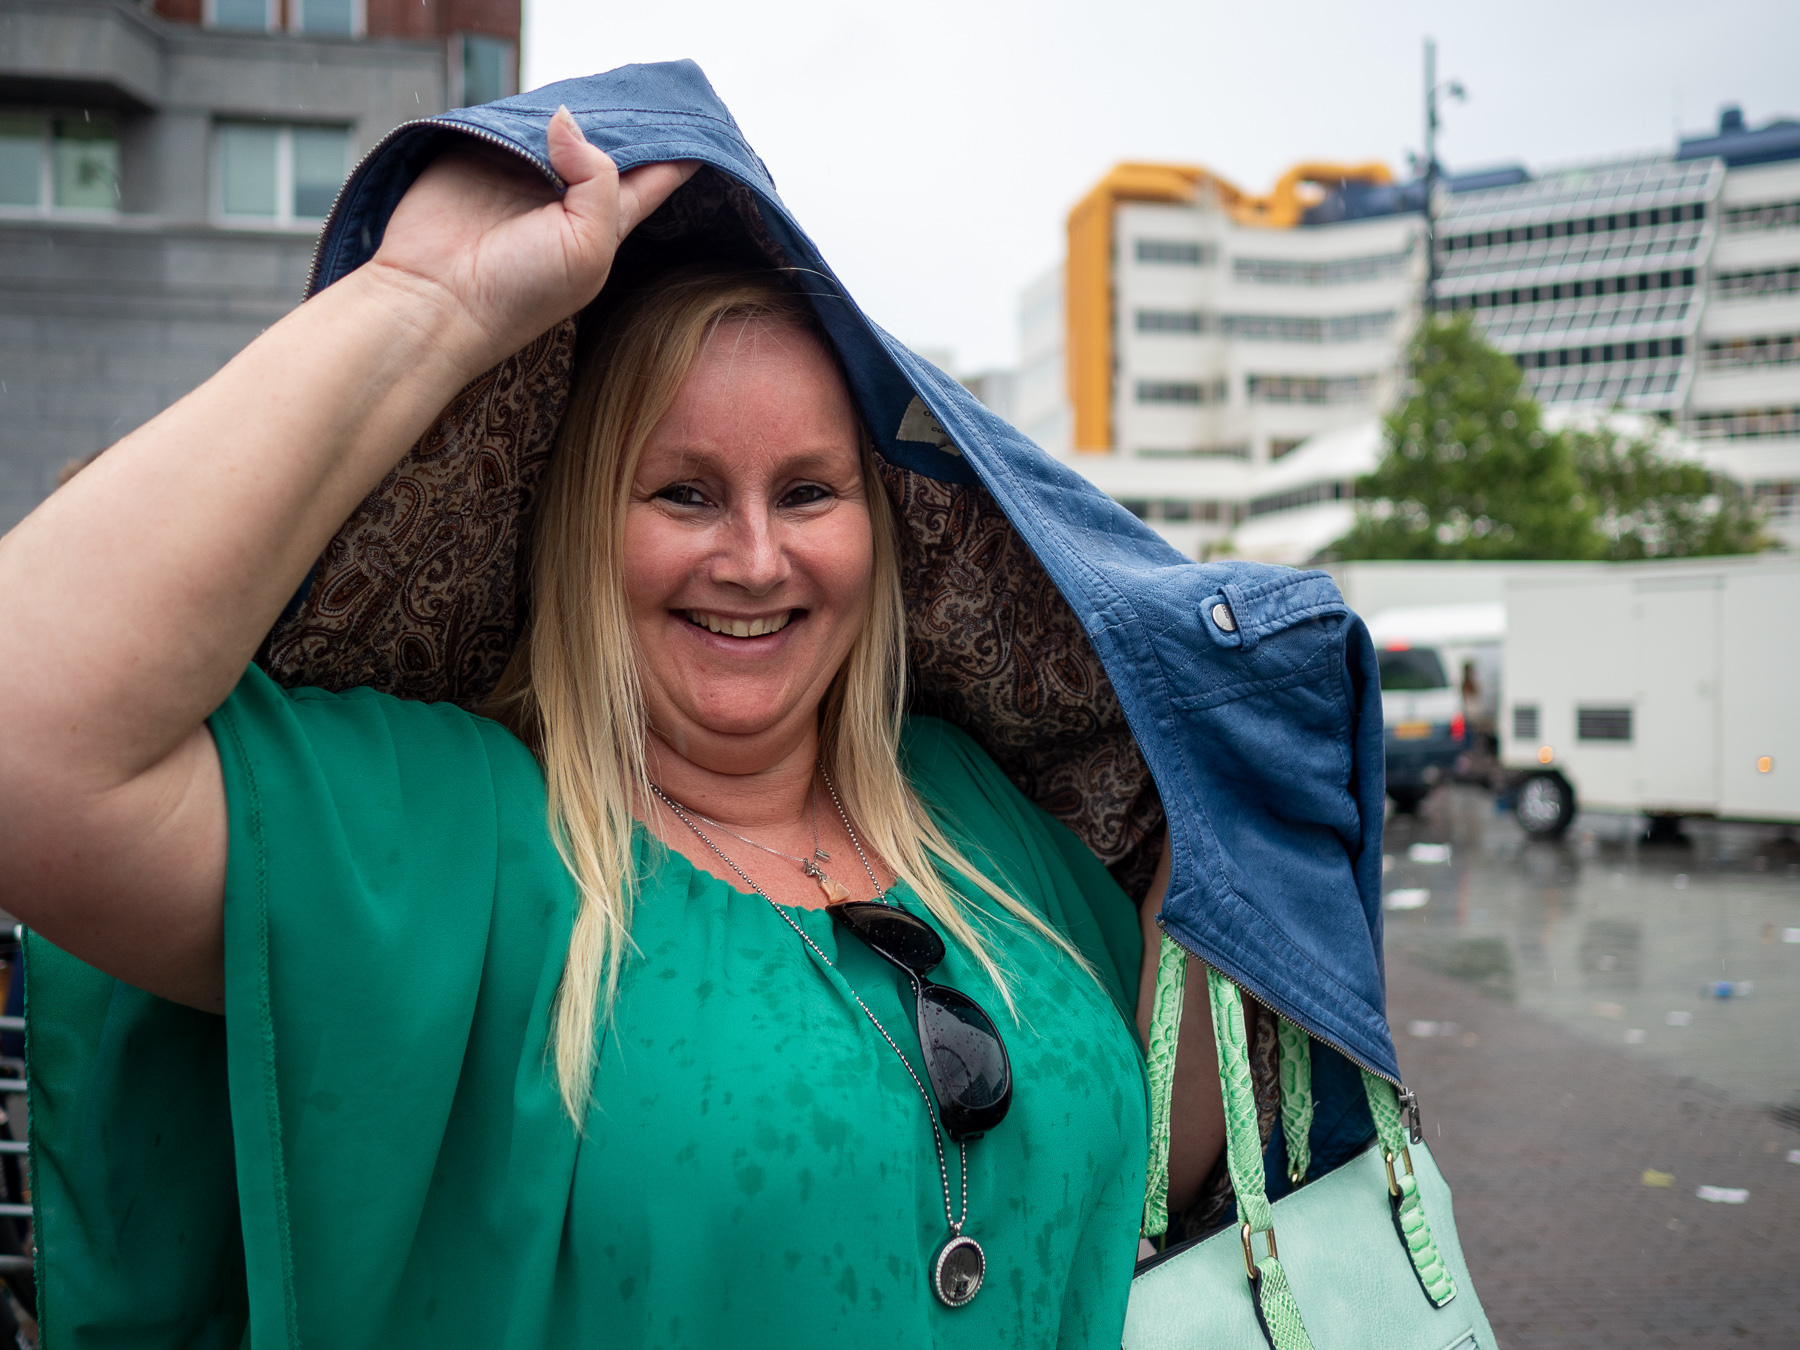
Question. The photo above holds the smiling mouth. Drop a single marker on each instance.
(740, 628)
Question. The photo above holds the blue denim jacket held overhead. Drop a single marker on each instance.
(1250, 690)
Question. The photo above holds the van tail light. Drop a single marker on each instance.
(1458, 725)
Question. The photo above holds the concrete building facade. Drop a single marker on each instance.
(164, 171)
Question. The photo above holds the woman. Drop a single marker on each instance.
(606, 1044)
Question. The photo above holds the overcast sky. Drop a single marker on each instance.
(933, 147)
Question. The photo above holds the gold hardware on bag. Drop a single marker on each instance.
(1388, 1158)
(1249, 1257)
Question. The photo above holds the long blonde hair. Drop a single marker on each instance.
(573, 691)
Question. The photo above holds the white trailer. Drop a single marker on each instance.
(1667, 688)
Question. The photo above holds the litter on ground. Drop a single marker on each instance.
(1723, 1195)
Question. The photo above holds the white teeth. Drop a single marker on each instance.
(741, 628)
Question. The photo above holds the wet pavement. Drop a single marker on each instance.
(1683, 955)
(1622, 1178)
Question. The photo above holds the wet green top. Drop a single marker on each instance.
(757, 1166)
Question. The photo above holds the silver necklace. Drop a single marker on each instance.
(960, 1265)
(835, 891)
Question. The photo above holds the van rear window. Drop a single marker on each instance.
(1414, 668)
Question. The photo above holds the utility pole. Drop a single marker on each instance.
(1431, 177)
(1432, 89)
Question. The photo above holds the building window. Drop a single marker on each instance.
(482, 69)
(58, 163)
(1176, 252)
(1762, 216)
(1332, 272)
(332, 18)
(1315, 389)
(1750, 353)
(1194, 393)
(1169, 321)
(280, 176)
(1281, 446)
(1764, 281)
(255, 16)
(1746, 424)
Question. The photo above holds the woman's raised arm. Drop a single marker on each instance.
(131, 600)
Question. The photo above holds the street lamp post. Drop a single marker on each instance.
(1432, 89)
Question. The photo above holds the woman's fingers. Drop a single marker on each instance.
(647, 187)
(597, 194)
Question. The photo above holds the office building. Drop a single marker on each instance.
(164, 170)
(1196, 340)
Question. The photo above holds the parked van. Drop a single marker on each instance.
(1667, 688)
(1440, 684)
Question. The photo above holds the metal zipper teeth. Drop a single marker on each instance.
(1263, 1002)
(312, 273)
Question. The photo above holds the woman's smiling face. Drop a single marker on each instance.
(748, 547)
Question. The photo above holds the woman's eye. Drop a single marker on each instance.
(682, 494)
(806, 495)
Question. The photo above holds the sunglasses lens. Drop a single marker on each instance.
(966, 1060)
(900, 937)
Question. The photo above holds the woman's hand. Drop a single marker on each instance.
(484, 233)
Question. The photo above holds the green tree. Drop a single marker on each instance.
(1469, 470)
(1649, 503)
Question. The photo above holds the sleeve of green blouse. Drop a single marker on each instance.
(1047, 865)
(386, 998)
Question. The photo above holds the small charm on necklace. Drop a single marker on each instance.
(835, 891)
(821, 855)
(957, 1272)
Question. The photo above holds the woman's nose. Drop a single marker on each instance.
(752, 557)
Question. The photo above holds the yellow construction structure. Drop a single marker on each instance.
(1088, 280)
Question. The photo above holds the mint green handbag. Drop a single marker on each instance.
(1368, 1255)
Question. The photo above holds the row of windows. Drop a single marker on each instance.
(1310, 495)
(1320, 389)
(1230, 450)
(1268, 327)
(1333, 272)
(1745, 353)
(265, 173)
(341, 18)
(1172, 509)
(1765, 281)
(1762, 216)
(1623, 220)
(1635, 384)
(1191, 392)
(1177, 252)
(1572, 290)
(1746, 423)
(1599, 355)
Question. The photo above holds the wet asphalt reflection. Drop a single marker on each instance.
(1685, 955)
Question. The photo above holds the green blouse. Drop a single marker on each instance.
(368, 1150)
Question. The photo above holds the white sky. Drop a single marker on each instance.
(932, 148)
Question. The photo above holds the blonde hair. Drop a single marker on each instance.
(573, 693)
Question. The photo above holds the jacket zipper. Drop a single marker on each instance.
(312, 273)
(1263, 1002)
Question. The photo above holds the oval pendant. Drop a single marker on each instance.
(957, 1272)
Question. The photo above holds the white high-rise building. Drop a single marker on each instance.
(1196, 338)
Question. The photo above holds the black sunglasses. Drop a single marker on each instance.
(964, 1056)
